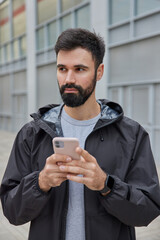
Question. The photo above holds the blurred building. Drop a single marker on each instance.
(131, 29)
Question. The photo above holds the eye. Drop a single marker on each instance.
(80, 69)
(62, 69)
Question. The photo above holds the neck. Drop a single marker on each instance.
(88, 110)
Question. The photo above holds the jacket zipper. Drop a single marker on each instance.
(63, 235)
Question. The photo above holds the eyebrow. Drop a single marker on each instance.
(60, 65)
(76, 66)
(81, 66)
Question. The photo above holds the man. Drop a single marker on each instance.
(112, 188)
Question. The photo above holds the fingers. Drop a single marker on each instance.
(91, 173)
(79, 166)
(86, 170)
(51, 176)
(46, 181)
(59, 168)
(56, 182)
(89, 182)
(55, 158)
(86, 156)
(78, 179)
(86, 166)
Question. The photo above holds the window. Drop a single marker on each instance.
(23, 46)
(52, 21)
(66, 22)
(19, 17)
(45, 88)
(8, 52)
(5, 103)
(143, 6)
(83, 17)
(46, 9)
(16, 49)
(40, 39)
(65, 5)
(114, 94)
(1, 56)
(135, 62)
(52, 36)
(140, 100)
(4, 22)
(19, 81)
(119, 10)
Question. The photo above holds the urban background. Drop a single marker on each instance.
(28, 32)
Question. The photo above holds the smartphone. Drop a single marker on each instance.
(66, 146)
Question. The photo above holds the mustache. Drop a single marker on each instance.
(72, 85)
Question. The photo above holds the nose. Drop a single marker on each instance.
(70, 78)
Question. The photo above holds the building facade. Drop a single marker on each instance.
(131, 29)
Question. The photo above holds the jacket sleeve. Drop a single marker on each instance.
(21, 198)
(136, 200)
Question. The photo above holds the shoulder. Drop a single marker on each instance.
(27, 133)
(131, 127)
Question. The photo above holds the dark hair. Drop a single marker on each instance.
(77, 37)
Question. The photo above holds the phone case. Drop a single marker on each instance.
(67, 146)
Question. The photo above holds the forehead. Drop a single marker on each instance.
(74, 57)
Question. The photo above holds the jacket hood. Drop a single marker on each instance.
(49, 115)
(109, 110)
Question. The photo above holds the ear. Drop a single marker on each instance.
(100, 71)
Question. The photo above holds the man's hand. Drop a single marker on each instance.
(92, 175)
(51, 175)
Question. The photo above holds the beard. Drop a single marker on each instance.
(77, 99)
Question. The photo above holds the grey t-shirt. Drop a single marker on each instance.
(75, 224)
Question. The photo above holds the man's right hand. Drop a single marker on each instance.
(51, 176)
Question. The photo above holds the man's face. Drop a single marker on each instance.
(76, 76)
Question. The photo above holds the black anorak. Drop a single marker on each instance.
(122, 149)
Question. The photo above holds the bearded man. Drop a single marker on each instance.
(111, 189)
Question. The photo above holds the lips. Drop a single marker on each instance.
(70, 90)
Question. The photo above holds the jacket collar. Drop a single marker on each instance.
(48, 117)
